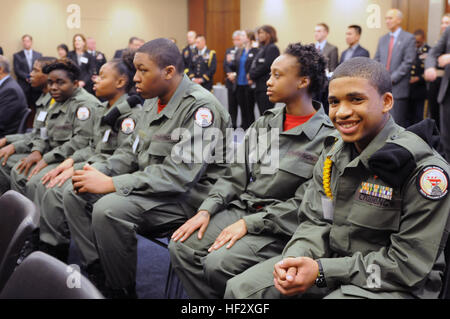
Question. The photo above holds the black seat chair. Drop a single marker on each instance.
(23, 123)
(19, 217)
(445, 293)
(174, 288)
(41, 276)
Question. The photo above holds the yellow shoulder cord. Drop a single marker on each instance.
(52, 101)
(210, 57)
(327, 177)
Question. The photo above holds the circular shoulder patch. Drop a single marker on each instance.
(432, 183)
(204, 117)
(128, 125)
(83, 113)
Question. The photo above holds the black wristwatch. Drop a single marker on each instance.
(320, 280)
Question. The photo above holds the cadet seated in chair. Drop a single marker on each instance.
(69, 126)
(18, 145)
(254, 212)
(112, 128)
(142, 187)
(375, 218)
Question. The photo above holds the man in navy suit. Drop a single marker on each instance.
(354, 50)
(12, 101)
(23, 64)
(397, 52)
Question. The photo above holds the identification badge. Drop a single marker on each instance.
(328, 208)
(84, 60)
(43, 133)
(135, 144)
(106, 136)
(41, 117)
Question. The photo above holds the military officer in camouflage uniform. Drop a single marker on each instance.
(254, 211)
(375, 219)
(68, 127)
(145, 186)
(203, 65)
(19, 144)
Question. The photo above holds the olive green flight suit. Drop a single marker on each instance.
(69, 127)
(385, 244)
(22, 142)
(155, 193)
(103, 143)
(268, 203)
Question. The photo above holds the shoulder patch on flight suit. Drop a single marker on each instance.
(83, 113)
(432, 183)
(204, 117)
(128, 125)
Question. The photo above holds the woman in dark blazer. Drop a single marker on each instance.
(85, 62)
(260, 69)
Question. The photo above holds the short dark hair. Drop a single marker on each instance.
(67, 65)
(164, 53)
(271, 31)
(371, 70)
(325, 26)
(132, 39)
(45, 60)
(64, 47)
(356, 27)
(420, 32)
(312, 65)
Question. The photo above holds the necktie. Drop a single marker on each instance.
(391, 47)
(29, 60)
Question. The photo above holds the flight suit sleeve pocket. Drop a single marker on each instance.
(304, 170)
(62, 135)
(160, 149)
(374, 217)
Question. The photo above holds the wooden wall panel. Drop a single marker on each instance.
(217, 20)
(415, 14)
(222, 19)
(197, 16)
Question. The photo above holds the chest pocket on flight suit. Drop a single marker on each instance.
(62, 133)
(373, 224)
(158, 151)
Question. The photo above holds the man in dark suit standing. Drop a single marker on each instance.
(329, 51)
(23, 64)
(189, 51)
(12, 101)
(133, 44)
(229, 68)
(1, 51)
(98, 56)
(439, 55)
(354, 50)
(397, 52)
